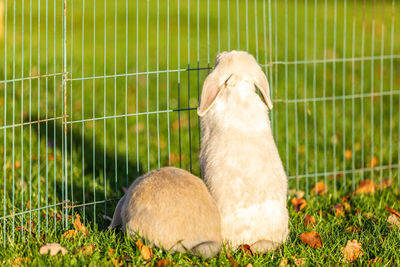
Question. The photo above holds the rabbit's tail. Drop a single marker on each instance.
(207, 249)
(117, 217)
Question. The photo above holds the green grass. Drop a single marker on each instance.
(376, 237)
(320, 109)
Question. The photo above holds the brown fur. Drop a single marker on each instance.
(172, 209)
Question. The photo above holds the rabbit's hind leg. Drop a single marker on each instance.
(207, 249)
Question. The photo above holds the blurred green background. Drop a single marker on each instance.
(134, 71)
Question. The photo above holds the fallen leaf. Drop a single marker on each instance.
(298, 203)
(393, 211)
(147, 253)
(69, 234)
(319, 188)
(231, 260)
(17, 164)
(111, 251)
(311, 238)
(348, 154)
(284, 262)
(394, 220)
(298, 194)
(385, 184)
(164, 263)
(353, 229)
(299, 261)
(50, 157)
(28, 205)
(365, 187)
(338, 209)
(246, 249)
(352, 251)
(309, 220)
(373, 162)
(32, 224)
(87, 249)
(53, 248)
(79, 227)
(57, 215)
(22, 227)
(249, 265)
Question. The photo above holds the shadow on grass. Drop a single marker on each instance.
(92, 186)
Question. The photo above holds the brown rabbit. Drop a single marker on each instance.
(173, 210)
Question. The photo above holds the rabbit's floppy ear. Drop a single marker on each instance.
(211, 87)
(117, 217)
(261, 82)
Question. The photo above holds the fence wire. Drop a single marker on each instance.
(94, 93)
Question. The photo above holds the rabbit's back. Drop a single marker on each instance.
(173, 209)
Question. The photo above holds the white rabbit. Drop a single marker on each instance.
(172, 209)
(239, 158)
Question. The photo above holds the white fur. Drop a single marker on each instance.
(241, 164)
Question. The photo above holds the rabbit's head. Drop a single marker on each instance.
(234, 63)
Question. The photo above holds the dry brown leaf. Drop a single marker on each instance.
(394, 220)
(338, 209)
(22, 227)
(365, 187)
(246, 249)
(385, 184)
(87, 249)
(53, 248)
(353, 229)
(28, 205)
(147, 253)
(111, 251)
(284, 262)
(309, 220)
(164, 263)
(57, 215)
(319, 188)
(79, 227)
(352, 251)
(69, 234)
(298, 194)
(311, 238)
(32, 224)
(373, 162)
(17, 164)
(231, 260)
(298, 203)
(393, 211)
(299, 261)
(348, 154)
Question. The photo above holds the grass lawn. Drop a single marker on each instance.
(134, 71)
(364, 212)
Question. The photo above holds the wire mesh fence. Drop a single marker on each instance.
(96, 93)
